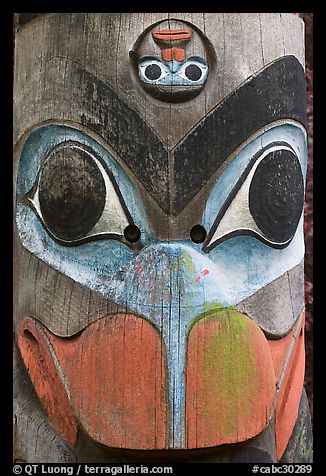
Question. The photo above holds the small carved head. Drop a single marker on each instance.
(171, 61)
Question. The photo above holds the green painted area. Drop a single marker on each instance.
(230, 365)
(211, 309)
(189, 263)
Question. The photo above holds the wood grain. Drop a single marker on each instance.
(114, 376)
(111, 369)
(235, 38)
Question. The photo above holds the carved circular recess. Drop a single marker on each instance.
(276, 195)
(198, 234)
(132, 233)
(171, 61)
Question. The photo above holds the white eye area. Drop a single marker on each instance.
(86, 205)
(152, 70)
(267, 201)
(193, 71)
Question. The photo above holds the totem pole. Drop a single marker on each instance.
(160, 165)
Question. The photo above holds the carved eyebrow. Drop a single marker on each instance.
(196, 58)
(277, 92)
(141, 152)
(149, 58)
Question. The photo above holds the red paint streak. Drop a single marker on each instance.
(205, 272)
(46, 381)
(172, 35)
(139, 272)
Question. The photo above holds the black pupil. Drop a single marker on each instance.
(71, 193)
(193, 72)
(132, 233)
(276, 195)
(152, 71)
(198, 234)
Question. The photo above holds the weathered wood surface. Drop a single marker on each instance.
(166, 344)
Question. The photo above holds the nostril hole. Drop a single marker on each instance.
(132, 233)
(198, 234)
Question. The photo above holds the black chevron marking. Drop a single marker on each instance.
(125, 130)
(277, 92)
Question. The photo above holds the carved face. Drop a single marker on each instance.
(172, 60)
(160, 263)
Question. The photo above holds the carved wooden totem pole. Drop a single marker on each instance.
(160, 167)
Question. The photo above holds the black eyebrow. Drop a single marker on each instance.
(277, 92)
(128, 133)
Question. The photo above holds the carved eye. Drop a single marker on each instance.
(77, 198)
(194, 70)
(152, 70)
(267, 201)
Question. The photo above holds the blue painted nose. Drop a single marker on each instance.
(173, 276)
(171, 285)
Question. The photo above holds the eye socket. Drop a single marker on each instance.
(71, 193)
(76, 197)
(194, 71)
(152, 70)
(266, 202)
(276, 195)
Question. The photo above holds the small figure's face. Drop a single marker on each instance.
(172, 63)
(183, 331)
(191, 72)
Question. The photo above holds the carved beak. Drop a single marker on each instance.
(113, 381)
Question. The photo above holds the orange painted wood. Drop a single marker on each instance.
(230, 382)
(167, 37)
(289, 395)
(169, 54)
(279, 349)
(47, 383)
(116, 377)
(172, 35)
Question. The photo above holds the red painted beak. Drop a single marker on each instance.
(111, 379)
